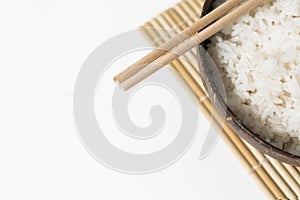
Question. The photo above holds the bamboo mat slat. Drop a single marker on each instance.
(278, 180)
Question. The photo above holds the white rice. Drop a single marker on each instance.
(259, 58)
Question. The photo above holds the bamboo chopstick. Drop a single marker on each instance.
(188, 44)
(188, 32)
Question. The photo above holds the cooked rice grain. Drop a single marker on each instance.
(259, 59)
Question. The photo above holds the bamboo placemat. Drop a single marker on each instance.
(279, 180)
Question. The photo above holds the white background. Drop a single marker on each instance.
(42, 47)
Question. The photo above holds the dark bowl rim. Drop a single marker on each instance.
(235, 123)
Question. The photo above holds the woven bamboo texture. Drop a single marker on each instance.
(278, 180)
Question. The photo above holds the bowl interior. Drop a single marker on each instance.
(212, 85)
